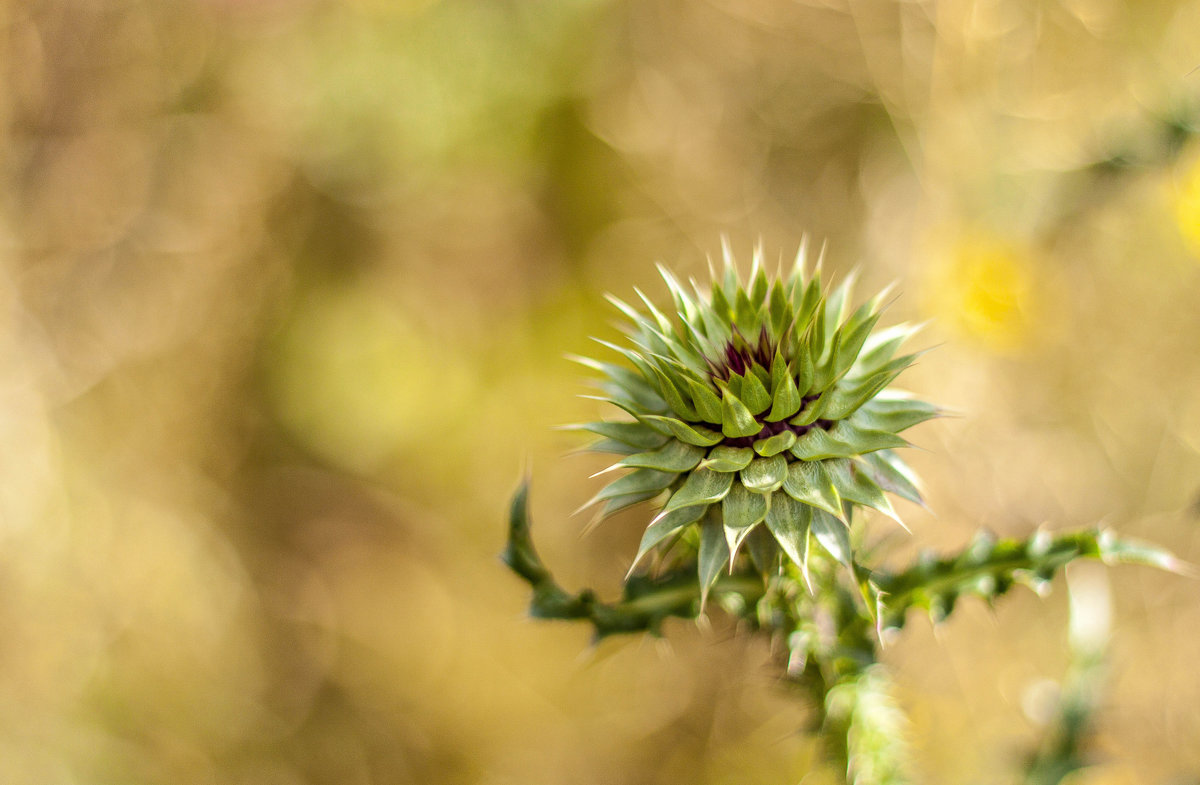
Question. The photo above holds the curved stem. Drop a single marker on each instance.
(646, 602)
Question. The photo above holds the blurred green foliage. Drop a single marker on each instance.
(284, 286)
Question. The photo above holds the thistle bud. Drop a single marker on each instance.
(760, 413)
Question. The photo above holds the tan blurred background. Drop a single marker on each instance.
(285, 287)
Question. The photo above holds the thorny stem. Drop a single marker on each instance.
(828, 636)
(828, 627)
(833, 658)
(646, 602)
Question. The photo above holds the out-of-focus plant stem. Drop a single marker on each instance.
(833, 658)
(1063, 748)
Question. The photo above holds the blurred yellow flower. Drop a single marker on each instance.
(984, 291)
(1187, 206)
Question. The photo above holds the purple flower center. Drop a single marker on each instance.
(774, 428)
(740, 356)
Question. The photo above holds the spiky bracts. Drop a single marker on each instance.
(761, 413)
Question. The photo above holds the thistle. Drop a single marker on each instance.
(760, 414)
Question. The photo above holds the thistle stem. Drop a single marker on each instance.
(826, 618)
(833, 658)
(646, 604)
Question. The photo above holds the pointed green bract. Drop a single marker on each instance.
(853, 336)
(755, 395)
(664, 324)
(773, 445)
(812, 412)
(733, 385)
(853, 485)
(763, 549)
(739, 421)
(702, 486)
(692, 433)
(674, 456)
(810, 483)
(839, 299)
(713, 555)
(622, 382)
(728, 459)
(843, 440)
(863, 440)
(892, 475)
(895, 414)
(833, 536)
(734, 537)
(745, 315)
(612, 447)
(786, 400)
(779, 370)
(819, 444)
(805, 372)
(674, 398)
(847, 399)
(742, 507)
(716, 326)
(765, 475)
(618, 503)
(789, 522)
(635, 434)
(639, 481)
(664, 527)
(752, 402)
(707, 404)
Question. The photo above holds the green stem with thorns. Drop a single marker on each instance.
(829, 626)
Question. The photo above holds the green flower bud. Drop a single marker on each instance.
(760, 413)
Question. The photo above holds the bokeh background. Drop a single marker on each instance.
(285, 289)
